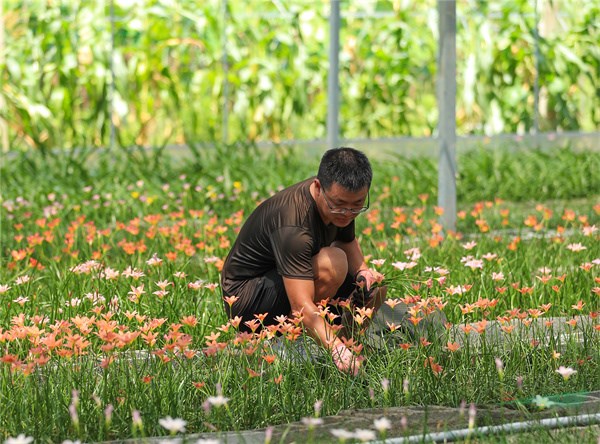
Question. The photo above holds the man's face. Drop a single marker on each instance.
(340, 206)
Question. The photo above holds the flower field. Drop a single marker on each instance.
(112, 323)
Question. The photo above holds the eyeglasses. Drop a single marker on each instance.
(336, 210)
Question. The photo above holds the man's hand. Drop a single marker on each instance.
(368, 277)
(345, 360)
(366, 281)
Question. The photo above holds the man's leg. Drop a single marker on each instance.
(330, 267)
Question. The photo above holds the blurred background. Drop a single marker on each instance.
(171, 73)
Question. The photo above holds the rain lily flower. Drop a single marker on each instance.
(413, 254)
(312, 422)
(576, 247)
(469, 245)
(21, 439)
(173, 425)
(404, 265)
(542, 402)
(217, 401)
(342, 434)
(497, 276)
(565, 372)
(473, 263)
(4, 288)
(364, 435)
(154, 261)
(472, 415)
(22, 280)
(382, 424)
(378, 262)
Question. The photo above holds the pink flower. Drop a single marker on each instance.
(576, 247)
(404, 265)
(469, 245)
(173, 425)
(565, 372)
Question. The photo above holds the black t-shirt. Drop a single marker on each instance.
(283, 233)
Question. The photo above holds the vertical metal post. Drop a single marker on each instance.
(225, 63)
(447, 112)
(3, 124)
(536, 79)
(111, 89)
(333, 81)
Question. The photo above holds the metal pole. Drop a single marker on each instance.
(3, 124)
(447, 112)
(225, 63)
(333, 81)
(536, 79)
(111, 89)
(513, 427)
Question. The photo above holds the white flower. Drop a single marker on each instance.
(217, 401)
(342, 434)
(469, 245)
(173, 425)
(497, 276)
(474, 263)
(565, 372)
(364, 435)
(382, 424)
(413, 254)
(542, 403)
(576, 247)
(311, 421)
(404, 265)
(4, 288)
(154, 261)
(459, 289)
(489, 256)
(22, 280)
(21, 439)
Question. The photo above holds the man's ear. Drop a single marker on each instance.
(317, 184)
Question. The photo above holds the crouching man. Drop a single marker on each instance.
(298, 248)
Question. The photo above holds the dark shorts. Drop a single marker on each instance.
(266, 294)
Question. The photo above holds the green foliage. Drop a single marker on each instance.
(172, 86)
(68, 223)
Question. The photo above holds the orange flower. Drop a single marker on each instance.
(269, 358)
(230, 300)
(190, 321)
(452, 346)
(578, 306)
(252, 373)
(147, 379)
(435, 368)
(278, 379)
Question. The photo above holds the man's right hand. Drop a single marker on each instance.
(345, 360)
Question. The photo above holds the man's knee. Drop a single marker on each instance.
(331, 265)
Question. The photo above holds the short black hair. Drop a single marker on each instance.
(347, 167)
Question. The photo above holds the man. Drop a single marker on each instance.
(298, 248)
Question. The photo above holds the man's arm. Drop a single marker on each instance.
(301, 293)
(357, 266)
